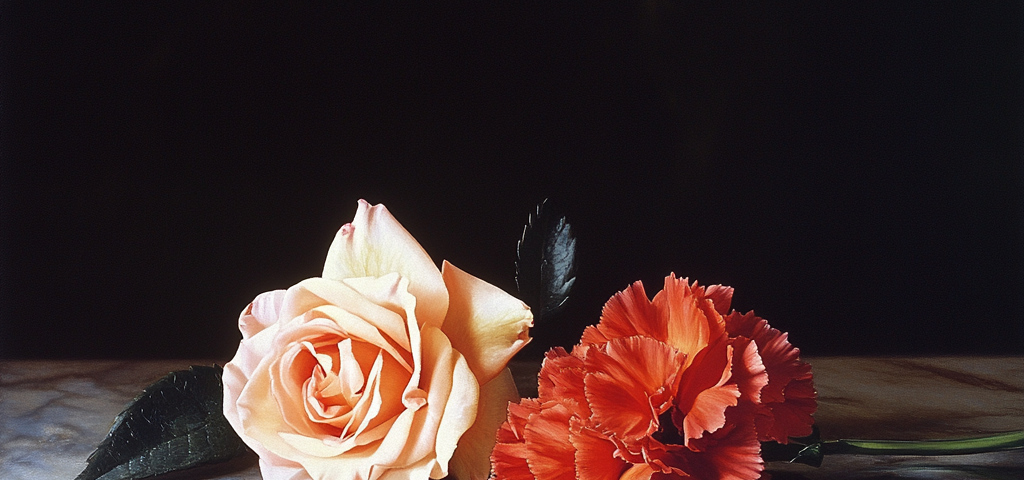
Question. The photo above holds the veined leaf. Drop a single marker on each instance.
(546, 267)
(175, 424)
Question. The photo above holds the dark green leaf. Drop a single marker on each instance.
(175, 424)
(546, 268)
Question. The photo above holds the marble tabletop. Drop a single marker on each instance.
(53, 413)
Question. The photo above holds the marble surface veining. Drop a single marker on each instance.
(53, 413)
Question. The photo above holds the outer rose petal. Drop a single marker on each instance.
(375, 244)
(261, 313)
(472, 457)
(484, 323)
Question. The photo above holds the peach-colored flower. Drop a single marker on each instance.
(656, 389)
(383, 368)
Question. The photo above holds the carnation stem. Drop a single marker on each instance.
(991, 443)
(811, 452)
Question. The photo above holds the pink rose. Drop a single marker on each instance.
(384, 368)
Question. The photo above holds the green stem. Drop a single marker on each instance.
(991, 443)
(810, 451)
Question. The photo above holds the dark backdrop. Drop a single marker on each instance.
(855, 170)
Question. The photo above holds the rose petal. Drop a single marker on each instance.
(272, 468)
(460, 409)
(484, 323)
(357, 295)
(261, 313)
(374, 245)
(471, 460)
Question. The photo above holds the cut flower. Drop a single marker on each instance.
(673, 387)
(384, 368)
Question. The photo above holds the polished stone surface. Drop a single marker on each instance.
(53, 413)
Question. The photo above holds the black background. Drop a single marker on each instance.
(855, 171)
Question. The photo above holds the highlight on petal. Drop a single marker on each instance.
(375, 244)
(471, 460)
(692, 323)
(484, 323)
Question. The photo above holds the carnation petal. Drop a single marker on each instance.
(626, 314)
(748, 370)
(510, 452)
(484, 323)
(703, 393)
(721, 296)
(686, 314)
(374, 245)
(471, 460)
(550, 455)
(731, 453)
(595, 455)
(618, 407)
(639, 471)
(789, 397)
(561, 379)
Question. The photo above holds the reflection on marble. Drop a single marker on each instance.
(53, 413)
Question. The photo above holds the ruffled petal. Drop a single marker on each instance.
(595, 454)
(692, 323)
(731, 453)
(626, 314)
(509, 454)
(484, 323)
(704, 394)
(471, 460)
(374, 245)
(561, 379)
(550, 454)
(721, 296)
(789, 398)
(629, 383)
